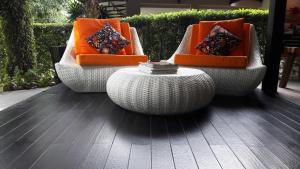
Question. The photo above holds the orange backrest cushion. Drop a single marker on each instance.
(125, 31)
(85, 27)
(235, 26)
(108, 59)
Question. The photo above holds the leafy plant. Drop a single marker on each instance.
(31, 79)
(75, 9)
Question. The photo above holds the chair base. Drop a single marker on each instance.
(85, 79)
(235, 82)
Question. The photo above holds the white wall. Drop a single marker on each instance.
(148, 10)
(265, 4)
(247, 3)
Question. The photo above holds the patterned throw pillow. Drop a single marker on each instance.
(107, 40)
(219, 42)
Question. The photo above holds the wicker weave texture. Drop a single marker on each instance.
(188, 90)
(88, 78)
(229, 81)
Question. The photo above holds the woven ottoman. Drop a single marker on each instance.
(188, 90)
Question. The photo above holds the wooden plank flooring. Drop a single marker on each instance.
(60, 129)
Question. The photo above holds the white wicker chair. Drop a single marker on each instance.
(228, 81)
(88, 78)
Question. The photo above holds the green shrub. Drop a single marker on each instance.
(47, 35)
(33, 78)
(161, 34)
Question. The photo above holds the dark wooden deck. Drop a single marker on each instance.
(62, 129)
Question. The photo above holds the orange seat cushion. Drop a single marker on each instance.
(108, 59)
(234, 26)
(85, 27)
(126, 33)
(211, 61)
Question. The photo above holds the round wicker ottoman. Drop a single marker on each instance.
(188, 90)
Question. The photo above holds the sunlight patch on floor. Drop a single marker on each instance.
(10, 98)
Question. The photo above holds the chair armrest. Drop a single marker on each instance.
(138, 50)
(56, 55)
(184, 44)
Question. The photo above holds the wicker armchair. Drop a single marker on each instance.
(231, 81)
(88, 78)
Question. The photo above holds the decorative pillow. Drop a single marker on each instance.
(219, 42)
(107, 40)
(85, 27)
(234, 26)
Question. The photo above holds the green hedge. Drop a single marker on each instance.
(47, 35)
(161, 34)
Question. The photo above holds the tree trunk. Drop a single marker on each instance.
(91, 8)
